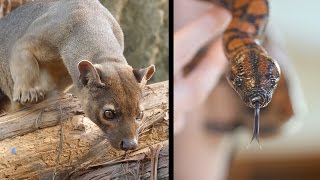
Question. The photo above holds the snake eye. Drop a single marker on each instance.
(273, 82)
(109, 114)
(238, 82)
(269, 76)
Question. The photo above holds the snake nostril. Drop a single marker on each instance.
(261, 99)
(258, 95)
(255, 99)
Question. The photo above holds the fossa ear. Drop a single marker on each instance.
(88, 72)
(143, 75)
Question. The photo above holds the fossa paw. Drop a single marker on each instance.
(28, 95)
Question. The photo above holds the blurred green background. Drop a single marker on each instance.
(145, 27)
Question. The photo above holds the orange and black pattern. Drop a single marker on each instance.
(253, 74)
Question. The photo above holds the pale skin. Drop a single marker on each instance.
(192, 31)
(198, 155)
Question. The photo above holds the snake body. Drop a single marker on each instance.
(252, 73)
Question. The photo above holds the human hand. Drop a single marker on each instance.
(192, 91)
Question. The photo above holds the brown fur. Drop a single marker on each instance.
(49, 45)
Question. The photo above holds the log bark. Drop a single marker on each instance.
(138, 166)
(53, 139)
(6, 6)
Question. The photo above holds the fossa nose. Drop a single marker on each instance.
(129, 144)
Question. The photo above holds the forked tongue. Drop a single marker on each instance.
(256, 123)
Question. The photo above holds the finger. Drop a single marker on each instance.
(192, 91)
(195, 9)
(193, 36)
(179, 122)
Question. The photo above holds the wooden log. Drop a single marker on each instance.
(139, 166)
(6, 6)
(45, 114)
(55, 139)
(61, 107)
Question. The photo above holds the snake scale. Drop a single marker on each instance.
(252, 73)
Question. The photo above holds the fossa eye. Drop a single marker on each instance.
(109, 114)
(140, 116)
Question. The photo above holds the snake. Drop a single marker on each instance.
(252, 73)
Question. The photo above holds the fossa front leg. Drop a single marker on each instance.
(25, 73)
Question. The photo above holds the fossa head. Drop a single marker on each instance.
(110, 96)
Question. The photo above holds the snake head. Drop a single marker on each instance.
(254, 76)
